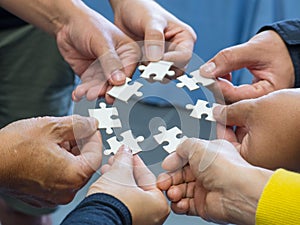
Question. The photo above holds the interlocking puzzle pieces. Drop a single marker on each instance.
(105, 116)
(126, 91)
(170, 136)
(158, 69)
(201, 108)
(128, 140)
(192, 82)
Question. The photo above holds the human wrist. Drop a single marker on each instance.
(242, 201)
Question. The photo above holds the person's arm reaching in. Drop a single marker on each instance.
(272, 56)
(266, 129)
(211, 180)
(83, 36)
(126, 193)
(41, 162)
(165, 37)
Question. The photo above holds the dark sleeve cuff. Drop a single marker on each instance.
(289, 31)
(99, 209)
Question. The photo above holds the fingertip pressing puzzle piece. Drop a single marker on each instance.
(199, 79)
(126, 91)
(105, 118)
(201, 108)
(128, 140)
(159, 69)
(169, 136)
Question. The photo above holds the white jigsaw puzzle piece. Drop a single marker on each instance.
(104, 116)
(187, 82)
(128, 140)
(114, 146)
(200, 79)
(170, 137)
(126, 91)
(160, 69)
(200, 109)
(132, 142)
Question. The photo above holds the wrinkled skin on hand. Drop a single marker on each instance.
(165, 37)
(128, 174)
(46, 160)
(266, 129)
(265, 56)
(211, 180)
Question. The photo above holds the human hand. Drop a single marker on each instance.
(46, 160)
(265, 56)
(266, 133)
(211, 180)
(128, 174)
(87, 36)
(137, 20)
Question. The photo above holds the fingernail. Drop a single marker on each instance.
(118, 76)
(208, 67)
(154, 52)
(127, 149)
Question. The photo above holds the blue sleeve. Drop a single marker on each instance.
(99, 209)
(289, 31)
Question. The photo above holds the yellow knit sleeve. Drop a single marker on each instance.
(280, 200)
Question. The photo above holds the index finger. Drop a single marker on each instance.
(91, 154)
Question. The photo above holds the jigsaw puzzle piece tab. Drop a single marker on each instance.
(114, 146)
(200, 79)
(126, 91)
(169, 136)
(128, 140)
(201, 108)
(159, 69)
(105, 117)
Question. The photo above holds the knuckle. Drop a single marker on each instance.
(155, 34)
(227, 56)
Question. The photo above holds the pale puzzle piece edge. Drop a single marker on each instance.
(104, 116)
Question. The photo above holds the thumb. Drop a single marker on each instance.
(154, 41)
(228, 60)
(235, 114)
(143, 176)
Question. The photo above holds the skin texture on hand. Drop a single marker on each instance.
(265, 56)
(46, 160)
(99, 52)
(128, 174)
(145, 20)
(211, 180)
(266, 129)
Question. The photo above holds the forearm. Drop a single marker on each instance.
(50, 15)
(99, 209)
